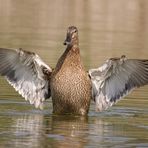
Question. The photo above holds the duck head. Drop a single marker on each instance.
(72, 36)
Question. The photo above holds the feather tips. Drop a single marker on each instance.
(25, 72)
(117, 79)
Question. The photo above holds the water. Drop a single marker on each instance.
(106, 29)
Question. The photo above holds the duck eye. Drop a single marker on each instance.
(75, 31)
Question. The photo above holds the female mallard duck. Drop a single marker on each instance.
(69, 85)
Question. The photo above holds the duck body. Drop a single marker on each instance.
(70, 84)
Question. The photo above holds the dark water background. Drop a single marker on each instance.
(107, 28)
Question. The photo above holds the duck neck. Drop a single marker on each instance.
(71, 49)
(70, 56)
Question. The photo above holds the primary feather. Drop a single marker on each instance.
(27, 73)
(117, 78)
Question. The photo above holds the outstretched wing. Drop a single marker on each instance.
(116, 78)
(27, 73)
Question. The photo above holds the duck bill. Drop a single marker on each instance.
(68, 40)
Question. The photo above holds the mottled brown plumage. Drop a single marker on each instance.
(70, 84)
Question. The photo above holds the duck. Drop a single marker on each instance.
(69, 85)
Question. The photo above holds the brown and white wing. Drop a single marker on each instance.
(117, 78)
(27, 73)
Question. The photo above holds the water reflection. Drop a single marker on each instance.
(27, 131)
(38, 129)
(68, 131)
(56, 131)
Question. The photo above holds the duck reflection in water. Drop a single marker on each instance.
(69, 85)
(38, 130)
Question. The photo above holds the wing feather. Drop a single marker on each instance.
(27, 73)
(118, 78)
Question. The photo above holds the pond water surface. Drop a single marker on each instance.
(106, 29)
